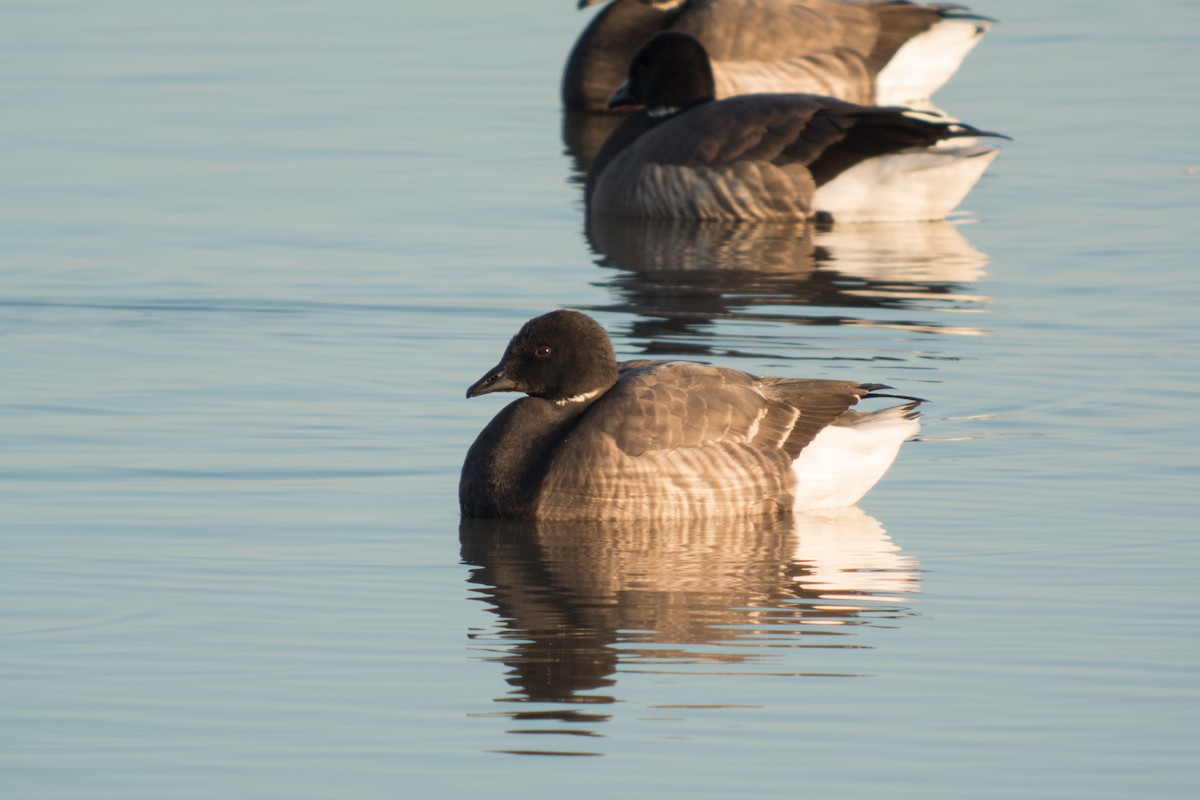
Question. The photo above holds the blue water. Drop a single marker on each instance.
(253, 254)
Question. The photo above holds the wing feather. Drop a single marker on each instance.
(777, 29)
(748, 157)
(676, 439)
(756, 156)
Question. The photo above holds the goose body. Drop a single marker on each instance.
(885, 52)
(772, 156)
(595, 439)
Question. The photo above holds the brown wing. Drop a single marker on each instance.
(667, 405)
(745, 160)
(755, 156)
(676, 439)
(775, 128)
(820, 402)
(840, 73)
(769, 30)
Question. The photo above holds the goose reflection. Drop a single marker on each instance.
(583, 134)
(578, 604)
(678, 277)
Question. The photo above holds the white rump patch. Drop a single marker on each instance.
(926, 62)
(842, 463)
(905, 187)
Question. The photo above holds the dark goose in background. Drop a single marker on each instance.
(880, 52)
(772, 156)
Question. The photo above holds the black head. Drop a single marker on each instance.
(669, 72)
(560, 356)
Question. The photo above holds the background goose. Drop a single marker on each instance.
(596, 439)
(771, 156)
(884, 52)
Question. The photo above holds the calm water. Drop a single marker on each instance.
(253, 254)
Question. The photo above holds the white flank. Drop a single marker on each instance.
(927, 61)
(842, 463)
(909, 186)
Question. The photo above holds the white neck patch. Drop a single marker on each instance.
(579, 398)
(662, 111)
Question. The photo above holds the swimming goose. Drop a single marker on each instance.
(886, 52)
(772, 156)
(597, 439)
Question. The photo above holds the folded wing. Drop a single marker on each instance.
(676, 439)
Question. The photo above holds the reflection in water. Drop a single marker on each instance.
(679, 276)
(580, 603)
(583, 135)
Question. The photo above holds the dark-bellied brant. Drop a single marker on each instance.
(772, 156)
(890, 52)
(598, 439)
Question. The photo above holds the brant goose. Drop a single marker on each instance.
(886, 52)
(772, 156)
(596, 439)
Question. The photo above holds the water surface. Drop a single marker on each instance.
(254, 254)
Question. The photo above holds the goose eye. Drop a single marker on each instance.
(542, 351)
